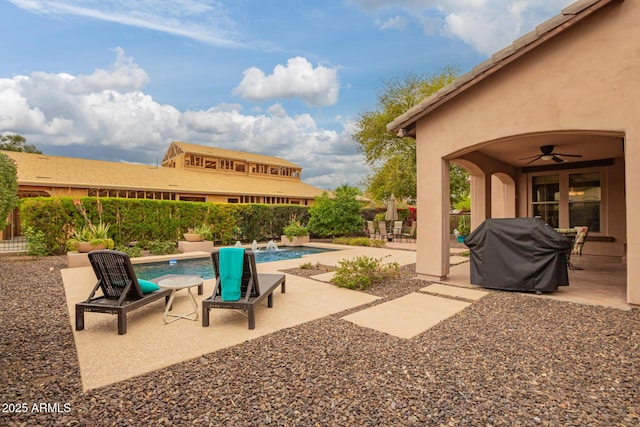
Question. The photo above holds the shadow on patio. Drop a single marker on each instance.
(602, 281)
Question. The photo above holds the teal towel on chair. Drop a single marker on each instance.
(231, 265)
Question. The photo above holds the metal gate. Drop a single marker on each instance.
(11, 238)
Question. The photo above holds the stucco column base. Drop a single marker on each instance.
(430, 277)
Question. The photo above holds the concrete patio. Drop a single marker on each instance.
(151, 345)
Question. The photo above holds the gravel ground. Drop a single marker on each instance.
(509, 359)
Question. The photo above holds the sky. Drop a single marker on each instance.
(119, 80)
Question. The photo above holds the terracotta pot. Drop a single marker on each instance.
(297, 240)
(192, 237)
(85, 247)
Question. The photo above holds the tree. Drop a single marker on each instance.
(8, 187)
(336, 215)
(392, 159)
(458, 185)
(17, 143)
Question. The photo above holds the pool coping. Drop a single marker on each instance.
(77, 259)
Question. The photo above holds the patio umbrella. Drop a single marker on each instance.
(392, 212)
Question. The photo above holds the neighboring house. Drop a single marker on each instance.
(189, 172)
(571, 86)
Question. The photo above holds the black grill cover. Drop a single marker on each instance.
(520, 254)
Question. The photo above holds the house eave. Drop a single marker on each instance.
(571, 15)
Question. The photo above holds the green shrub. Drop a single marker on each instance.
(295, 229)
(463, 226)
(338, 214)
(162, 247)
(132, 251)
(36, 242)
(380, 217)
(145, 220)
(8, 187)
(309, 266)
(361, 272)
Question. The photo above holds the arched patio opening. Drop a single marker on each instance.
(503, 196)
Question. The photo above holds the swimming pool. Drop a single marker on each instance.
(203, 267)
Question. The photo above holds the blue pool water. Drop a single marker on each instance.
(202, 266)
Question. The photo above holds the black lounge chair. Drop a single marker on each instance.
(121, 291)
(254, 288)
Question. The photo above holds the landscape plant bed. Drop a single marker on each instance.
(401, 284)
(313, 270)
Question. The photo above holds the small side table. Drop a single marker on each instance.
(175, 282)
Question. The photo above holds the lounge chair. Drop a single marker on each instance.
(121, 291)
(254, 287)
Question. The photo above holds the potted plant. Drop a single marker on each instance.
(463, 228)
(295, 234)
(199, 233)
(90, 237)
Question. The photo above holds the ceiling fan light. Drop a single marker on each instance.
(546, 157)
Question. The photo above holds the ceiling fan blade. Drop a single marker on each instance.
(568, 155)
(537, 156)
(531, 161)
(557, 159)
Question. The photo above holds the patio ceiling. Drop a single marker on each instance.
(590, 146)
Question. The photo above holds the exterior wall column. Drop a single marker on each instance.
(632, 187)
(432, 256)
(480, 199)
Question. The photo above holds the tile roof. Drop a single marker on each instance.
(569, 16)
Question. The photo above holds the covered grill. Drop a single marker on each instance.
(520, 254)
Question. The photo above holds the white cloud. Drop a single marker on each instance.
(298, 79)
(394, 23)
(107, 111)
(485, 25)
(206, 21)
(124, 75)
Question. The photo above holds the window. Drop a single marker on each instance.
(569, 199)
(546, 198)
(193, 161)
(584, 200)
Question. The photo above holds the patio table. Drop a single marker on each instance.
(176, 282)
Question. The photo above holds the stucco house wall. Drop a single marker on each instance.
(585, 81)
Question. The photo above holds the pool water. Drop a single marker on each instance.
(203, 267)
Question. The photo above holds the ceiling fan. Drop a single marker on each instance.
(546, 153)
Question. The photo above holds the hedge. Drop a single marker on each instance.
(141, 220)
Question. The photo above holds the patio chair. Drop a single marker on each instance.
(121, 290)
(254, 287)
(382, 226)
(578, 243)
(411, 234)
(373, 234)
(397, 230)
